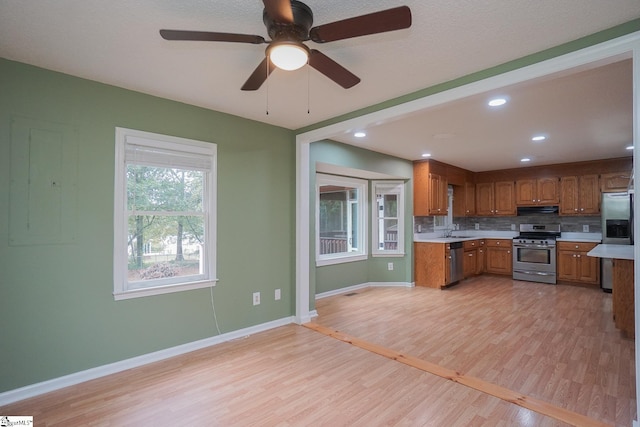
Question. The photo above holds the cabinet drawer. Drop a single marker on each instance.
(498, 243)
(576, 246)
(471, 244)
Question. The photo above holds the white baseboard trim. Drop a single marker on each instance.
(313, 313)
(362, 286)
(32, 390)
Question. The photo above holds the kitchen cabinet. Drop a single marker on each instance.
(482, 251)
(573, 264)
(470, 263)
(623, 296)
(429, 190)
(579, 195)
(541, 191)
(431, 264)
(438, 198)
(499, 258)
(495, 198)
(615, 182)
(464, 200)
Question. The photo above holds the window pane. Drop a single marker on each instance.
(161, 247)
(388, 234)
(390, 205)
(338, 219)
(164, 189)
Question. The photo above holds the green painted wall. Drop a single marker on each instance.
(58, 312)
(332, 277)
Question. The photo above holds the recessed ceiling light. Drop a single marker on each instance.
(538, 138)
(359, 134)
(525, 159)
(630, 147)
(426, 155)
(496, 102)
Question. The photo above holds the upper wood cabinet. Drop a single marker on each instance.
(613, 182)
(579, 195)
(464, 200)
(429, 191)
(495, 198)
(541, 191)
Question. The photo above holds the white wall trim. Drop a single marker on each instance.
(362, 286)
(32, 390)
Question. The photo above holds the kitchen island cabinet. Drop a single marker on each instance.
(575, 266)
(499, 258)
(623, 296)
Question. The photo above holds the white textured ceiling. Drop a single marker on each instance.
(117, 42)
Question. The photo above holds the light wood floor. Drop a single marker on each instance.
(553, 343)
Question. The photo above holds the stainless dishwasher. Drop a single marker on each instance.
(456, 262)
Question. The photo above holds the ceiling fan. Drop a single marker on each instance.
(288, 24)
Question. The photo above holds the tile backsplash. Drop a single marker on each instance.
(571, 224)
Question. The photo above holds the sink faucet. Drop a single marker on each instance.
(448, 232)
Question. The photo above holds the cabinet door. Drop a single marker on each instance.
(526, 192)
(612, 182)
(470, 198)
(438, 202)
(421, 189)
(480, 262)
(569, 195)
(470, 264)
(567, 265)
(484, 199)
(547, 191)
(430, 264)
(499, 260)
(588, 269)
(505, 198)
(589, 198)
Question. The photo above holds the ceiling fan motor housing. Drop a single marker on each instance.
(296, 31)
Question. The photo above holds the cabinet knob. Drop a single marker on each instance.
(574, 255)
(508, 252)
(578, 255)
(577, 246)
(575, 209)
(497, 243)
(470, 254)
(581, 209)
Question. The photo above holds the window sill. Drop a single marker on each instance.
(160, 290)
(341, 260)
(388, 255)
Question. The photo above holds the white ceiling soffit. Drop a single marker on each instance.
(353, 172)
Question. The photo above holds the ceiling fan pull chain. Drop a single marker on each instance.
(268, 61)
(308, 88)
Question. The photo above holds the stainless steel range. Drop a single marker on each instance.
(534, 253)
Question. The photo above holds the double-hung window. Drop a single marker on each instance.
(164, 214)
(387, 228)
(341, 220)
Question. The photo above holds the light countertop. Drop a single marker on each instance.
(612, 251)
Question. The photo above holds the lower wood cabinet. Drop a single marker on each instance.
(575, 266)
(499, 259)
(472, 260)
(431, 264)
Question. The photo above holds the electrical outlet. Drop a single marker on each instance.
(513, 227)
(477, 226)
(277, 295)
(256, 298)
(585, 228)
(390, 266)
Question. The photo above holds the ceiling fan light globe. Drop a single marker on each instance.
(288, 56)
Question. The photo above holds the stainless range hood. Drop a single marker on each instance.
(537, 210)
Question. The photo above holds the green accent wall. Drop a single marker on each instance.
(374, 269)
(56, 304)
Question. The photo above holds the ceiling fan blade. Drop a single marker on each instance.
(332, 69)
(259, 75)
(208, 36)
(279, 10)
(373, 23)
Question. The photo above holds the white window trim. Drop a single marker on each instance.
(362, 186)
(387, 187)
(120, 282)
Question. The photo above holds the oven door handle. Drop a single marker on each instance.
(534, 246)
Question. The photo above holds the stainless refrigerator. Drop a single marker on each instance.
(617, 228)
